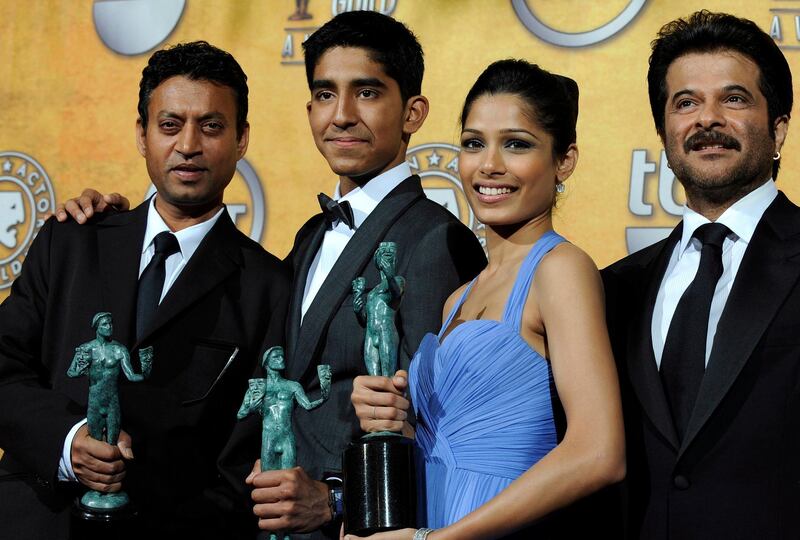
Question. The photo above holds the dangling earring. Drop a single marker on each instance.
(560, 187)
(777, 156)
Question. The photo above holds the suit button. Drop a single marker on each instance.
(681, 482)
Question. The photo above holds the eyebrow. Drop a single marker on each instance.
(507, 130)
(739, 88)
(726, 89)
(316, 84)
(684, 92)
(213, 115)
(369, 81)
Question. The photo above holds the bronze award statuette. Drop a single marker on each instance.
(273, 398)
(102, 360)
(379, 482)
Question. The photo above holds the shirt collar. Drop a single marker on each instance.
(364, 199)
(188, 239)
(741, 218)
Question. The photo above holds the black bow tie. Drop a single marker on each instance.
(336, 211)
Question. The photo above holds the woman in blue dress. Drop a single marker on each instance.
(521, 343)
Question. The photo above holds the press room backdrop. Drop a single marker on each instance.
(69, 74)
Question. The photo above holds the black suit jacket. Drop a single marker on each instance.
(737, 472)
(231, 294)
(436, 253)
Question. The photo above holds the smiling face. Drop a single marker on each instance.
(507, 167)
(386, 254)
(358, 119)
(190, 145)
(716, 131)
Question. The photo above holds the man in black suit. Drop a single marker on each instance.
(364, 72)
(705, 323)
(214, 296)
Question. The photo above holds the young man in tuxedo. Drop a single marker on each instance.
(364, 72)
(178, 277)
(704, 323)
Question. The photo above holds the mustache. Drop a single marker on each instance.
(702, 138)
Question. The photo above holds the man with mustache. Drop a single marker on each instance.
(178, 277)
(705, 324)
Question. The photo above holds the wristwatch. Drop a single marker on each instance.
(335, 497)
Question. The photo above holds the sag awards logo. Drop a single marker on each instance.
(642, 176)
(244, 199)
(26, 196)
(437, 166)
(784, 25)
(132, 27)
(296, 34)
(560, 38)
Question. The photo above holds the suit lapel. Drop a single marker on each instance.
(119, 239)
(350, 264)
(641, 360)
(215, 259)
(768, 272)
(306, 251)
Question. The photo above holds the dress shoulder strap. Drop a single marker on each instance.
(522, 285)
(455, 308)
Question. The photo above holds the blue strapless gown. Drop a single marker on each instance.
(483, 404)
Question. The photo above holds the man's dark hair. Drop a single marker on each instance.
(706, 32)
(198, 61)
(388, 42)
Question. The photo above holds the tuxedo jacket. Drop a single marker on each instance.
(736, 474)
(436, 253)
(231, 295)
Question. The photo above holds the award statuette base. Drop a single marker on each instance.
(379, 484)
(90, 523)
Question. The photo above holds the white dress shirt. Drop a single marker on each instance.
(363, 200)
(188, 240)
(741, 218)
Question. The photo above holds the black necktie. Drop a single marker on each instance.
(336, 211)
(151, 282)
(684, 358)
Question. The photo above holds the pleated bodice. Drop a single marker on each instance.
(482, 397)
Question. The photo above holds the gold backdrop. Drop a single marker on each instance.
(70, 73)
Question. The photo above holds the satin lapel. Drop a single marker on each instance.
(768, 272)
(305, 253)
(641, 360)
(349, 265)
(119, 241)
(215, 259)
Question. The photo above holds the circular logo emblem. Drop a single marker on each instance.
(133, 27)
(26, 196)
(437, 166)
(575, 39)
(244, 199)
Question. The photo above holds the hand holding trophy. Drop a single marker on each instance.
(379, 487)
(102, 360)
(273, 398)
